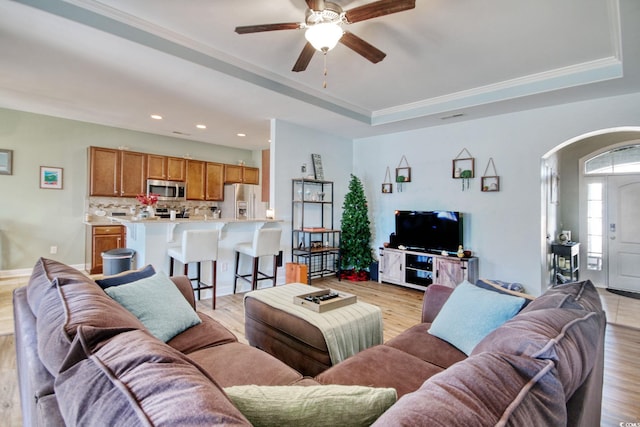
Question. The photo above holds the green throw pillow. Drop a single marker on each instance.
(471, 313)
(158, 303)
(322, 405)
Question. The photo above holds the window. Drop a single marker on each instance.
(619, 160)
(595, 205)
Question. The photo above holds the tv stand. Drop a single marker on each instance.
(419, 269)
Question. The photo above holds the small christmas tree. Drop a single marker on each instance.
(356, 234)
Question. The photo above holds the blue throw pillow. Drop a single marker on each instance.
(126, 277)
(158, 303)
(471, 313)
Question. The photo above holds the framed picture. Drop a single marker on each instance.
(490, 183)
(317, 167)
(50, 177)
(6, 162)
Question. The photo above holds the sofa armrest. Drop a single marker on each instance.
(434, 298)
(184, 285)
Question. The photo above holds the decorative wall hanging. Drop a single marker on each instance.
(463, 167)
(317, 167)
(490, 182)
(387, 185)
(6, 162)
(403, 172)
(50, 177)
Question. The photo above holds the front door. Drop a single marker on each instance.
(623, 230)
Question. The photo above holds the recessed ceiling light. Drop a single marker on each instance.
(201, 126)
(156, 117)
(242, 134)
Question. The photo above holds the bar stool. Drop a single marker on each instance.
(266, 241)
(197, 246)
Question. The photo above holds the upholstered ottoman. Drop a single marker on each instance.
(298, 336)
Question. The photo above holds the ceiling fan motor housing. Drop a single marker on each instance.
(332, 13)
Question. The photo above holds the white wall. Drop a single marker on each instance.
(502, 228)
(291, 146)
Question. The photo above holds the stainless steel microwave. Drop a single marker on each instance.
(167, 190)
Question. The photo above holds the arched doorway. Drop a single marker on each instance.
(563, 172)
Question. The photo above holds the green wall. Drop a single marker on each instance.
(33, 219)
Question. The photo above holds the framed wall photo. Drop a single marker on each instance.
(6, 162)
(50, 177)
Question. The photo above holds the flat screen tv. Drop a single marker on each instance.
(429, 230)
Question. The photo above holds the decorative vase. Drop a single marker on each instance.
(150, 211)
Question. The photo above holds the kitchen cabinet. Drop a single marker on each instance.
(214, 185)
(176, 169)
(116, 173)
(102, 238)
(156, 166)
(236, 174)
(205, 180)
(165, 168)
(196, 170)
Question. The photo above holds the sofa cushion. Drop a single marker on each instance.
(381, 366)
(239, 364)
(207, 333)
(71, 303)
(321, 405)
(126, 277)
(417, 342)
(514, 289)
(42, 276)
(565, 336)
(579, 295)
(120, 377)
(158, 304)
(484, 390)
(471, 313)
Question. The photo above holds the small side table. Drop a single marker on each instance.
(566, 261)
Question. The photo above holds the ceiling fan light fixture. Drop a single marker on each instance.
(324, 36)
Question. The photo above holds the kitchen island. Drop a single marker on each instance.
(151, 238)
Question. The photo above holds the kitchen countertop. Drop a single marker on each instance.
(127, 220)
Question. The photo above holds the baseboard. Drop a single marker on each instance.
(26, 272)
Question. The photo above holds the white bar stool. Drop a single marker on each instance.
(266, 241)
(197, 246)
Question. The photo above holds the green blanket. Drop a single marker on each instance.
(346, 330)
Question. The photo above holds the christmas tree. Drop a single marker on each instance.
(356, 234)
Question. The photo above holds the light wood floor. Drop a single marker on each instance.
(401, 309)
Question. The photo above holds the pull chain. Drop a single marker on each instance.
(324, 84)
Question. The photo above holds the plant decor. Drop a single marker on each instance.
(356, 253)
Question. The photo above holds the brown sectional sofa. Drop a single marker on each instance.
(81, 354)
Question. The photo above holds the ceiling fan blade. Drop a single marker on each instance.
(378, 8)
(361, 47)
(317, 5)
(304, 58)
(268, 27)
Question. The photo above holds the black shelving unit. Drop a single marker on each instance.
(314, 240)
(566, 262)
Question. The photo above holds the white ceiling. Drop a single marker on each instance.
(115, 62)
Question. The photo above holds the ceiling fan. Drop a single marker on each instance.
(323, 25)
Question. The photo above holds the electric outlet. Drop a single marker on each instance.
(53, 250)
(224, 266)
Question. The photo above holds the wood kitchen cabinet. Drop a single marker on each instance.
(165, 168)
(196, 170)
(205, 180)
(214, 186)
(116, 173)
(102, 238)
(236, 174)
